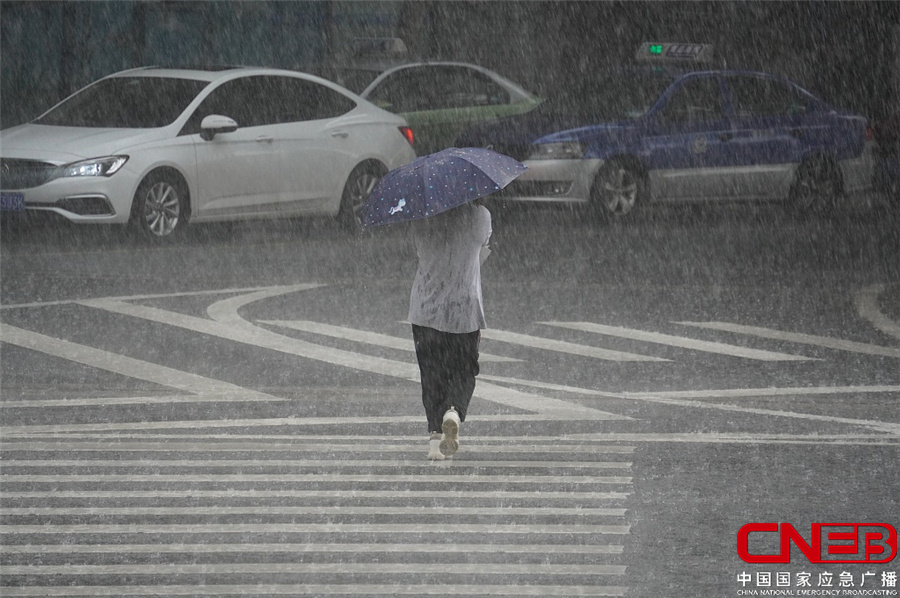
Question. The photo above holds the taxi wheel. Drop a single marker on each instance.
(159, 209)
(816, 187)
(617, 189)
(356, 191)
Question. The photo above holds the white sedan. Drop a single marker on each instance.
(157, 148)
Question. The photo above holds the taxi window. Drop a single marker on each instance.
(758, 96)
(611, 96)
(698, 99)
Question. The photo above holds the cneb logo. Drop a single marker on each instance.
(828, 543)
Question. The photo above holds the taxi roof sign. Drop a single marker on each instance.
(674, 52)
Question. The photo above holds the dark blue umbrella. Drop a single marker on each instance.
(438, 182)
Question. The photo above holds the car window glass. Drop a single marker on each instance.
(698, 99)
(437, 87)
(298, 99)
(461, 87)
(757, 96)
(126, 102)
(406, 90)
(232, 99)
(611, 96)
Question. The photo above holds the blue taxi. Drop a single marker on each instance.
(661, 133)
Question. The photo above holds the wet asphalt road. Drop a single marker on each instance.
(236, 413)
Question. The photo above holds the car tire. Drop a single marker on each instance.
(816, 187)
(159, 209)
(618, 189)
(359, 184)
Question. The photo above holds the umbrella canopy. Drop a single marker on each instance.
(438, 182)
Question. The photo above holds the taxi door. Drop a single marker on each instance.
(772, 130)
(686, 143)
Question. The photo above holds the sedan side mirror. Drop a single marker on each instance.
(214, 124)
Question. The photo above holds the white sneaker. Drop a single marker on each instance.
(434, 447)
(450, 443)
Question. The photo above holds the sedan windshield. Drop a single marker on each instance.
(613, 97)
(126, 103)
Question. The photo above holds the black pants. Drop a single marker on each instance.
(448, 364)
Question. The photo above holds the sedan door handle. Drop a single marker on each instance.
(798, 133)
(264, 139)
(725, 136)
(340, 134)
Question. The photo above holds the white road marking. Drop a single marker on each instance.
(206, 389)
(891, 428)
(294, 422)
(320, 510)
(450, 473)
(429, 496)
(679, 341)
(145, 400)
(227, 323)
(316, 528)
(304, 463)
(796, 337)
(148, 442)
(867, 305)
(366, 337)
(348, 548)
(742, 438)
(344, 568)
(319, 590)
(680, 398)
(291, 288)
(225, 313)
(549, 344)
(730, 393)
(127, 366)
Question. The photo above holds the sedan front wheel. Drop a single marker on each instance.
(158, 210)
(617, 189)
(816, 187)
(359, 185)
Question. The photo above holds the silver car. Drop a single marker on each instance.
(158, 148)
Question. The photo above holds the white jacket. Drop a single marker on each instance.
(446, 293)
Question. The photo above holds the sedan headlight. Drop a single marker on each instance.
(560, 150)
(106, 166)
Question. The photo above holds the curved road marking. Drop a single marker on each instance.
(867, 306)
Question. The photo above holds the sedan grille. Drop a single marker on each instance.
(24, 174)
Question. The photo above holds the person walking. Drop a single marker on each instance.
(446, 311)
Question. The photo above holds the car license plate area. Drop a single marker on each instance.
(12, 202)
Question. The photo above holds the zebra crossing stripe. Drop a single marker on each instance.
(449, 476)
(679, 341)
(544, 496)
(348, 548)
(317, 510)
(344, 568)
(304, 463)
(435, 529)
(796, 337)
(542, 591)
